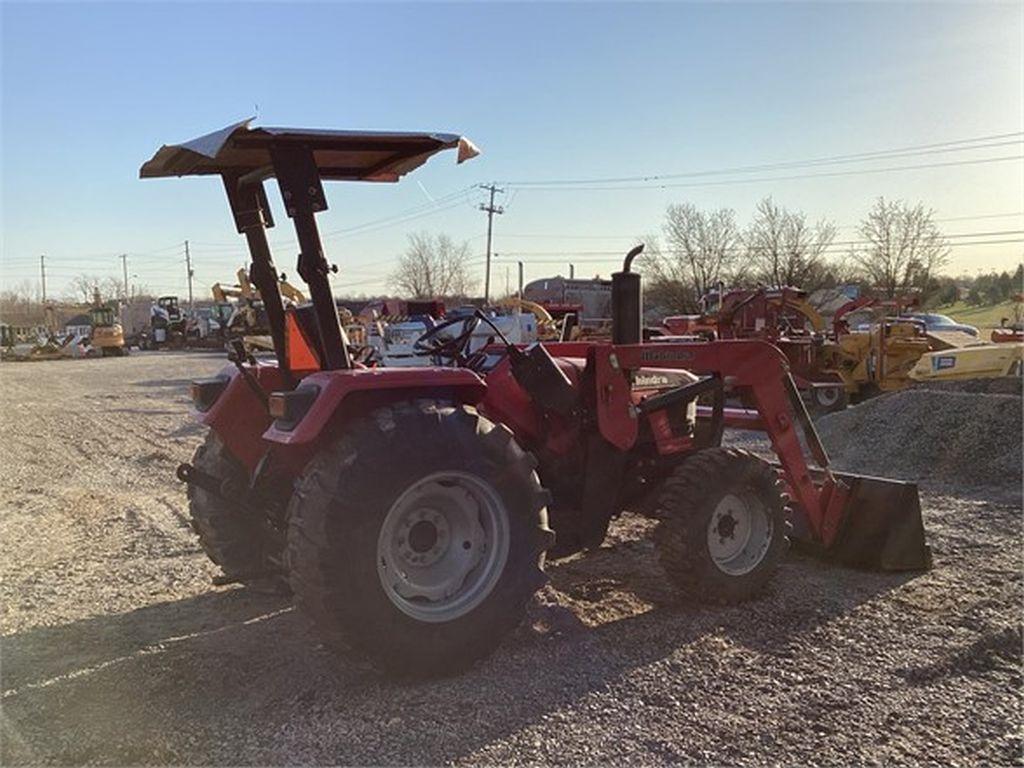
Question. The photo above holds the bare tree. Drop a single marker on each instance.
(702, 245)
(668, 283)
(83, 287)
(783, 249)
(20, 305)
(432, 267)
(904, 246)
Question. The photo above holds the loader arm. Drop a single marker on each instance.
(885, 513)
(754, 367)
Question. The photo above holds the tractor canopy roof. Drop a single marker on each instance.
(339, 155)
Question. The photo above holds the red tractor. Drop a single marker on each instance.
(411, 510)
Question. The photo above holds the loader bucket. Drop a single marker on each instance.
(882, 527)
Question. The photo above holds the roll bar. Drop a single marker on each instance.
(299, 159)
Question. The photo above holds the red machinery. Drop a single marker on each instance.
(1011, 332)
(409, 508)
(826, 369)
(783, 318)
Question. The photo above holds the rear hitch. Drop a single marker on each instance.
(226, 489)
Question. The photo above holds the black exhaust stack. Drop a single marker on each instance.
(627, 302)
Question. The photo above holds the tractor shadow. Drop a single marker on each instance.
(237, 676)
(182, 384)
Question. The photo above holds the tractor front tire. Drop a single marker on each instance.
(724, 526)
(233, 537)
(418, 537)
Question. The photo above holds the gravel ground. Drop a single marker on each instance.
(959, 438)
(116, 649)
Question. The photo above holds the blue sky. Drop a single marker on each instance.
(574, 91)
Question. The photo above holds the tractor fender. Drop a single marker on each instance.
(345, 394)
(238, 415)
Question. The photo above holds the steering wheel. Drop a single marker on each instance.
(454, 348)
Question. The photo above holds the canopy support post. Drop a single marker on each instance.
(303, 195)
(252, 218)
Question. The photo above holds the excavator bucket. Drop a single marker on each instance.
(882, 527)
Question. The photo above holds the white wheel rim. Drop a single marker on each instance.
(443, 546)
(739, 533)
(827, 396)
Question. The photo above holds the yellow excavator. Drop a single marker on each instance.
(107, 333)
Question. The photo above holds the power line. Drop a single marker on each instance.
(948, 146)
(999, 233)
(633, 236)
(443, 203)
(795, 177)
(610, 256)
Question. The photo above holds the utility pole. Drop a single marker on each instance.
(491, 209)
(188, 266)
(520, 281)
(124, 266)
(572, 271)
(506, 280)
(42, 274)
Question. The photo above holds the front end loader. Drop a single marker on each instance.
(411, 510)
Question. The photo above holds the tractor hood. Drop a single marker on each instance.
(339, 155)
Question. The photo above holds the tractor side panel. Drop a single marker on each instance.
(239, 417)
(506, 402)
(345, 394)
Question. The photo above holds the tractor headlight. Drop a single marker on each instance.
(288, 408)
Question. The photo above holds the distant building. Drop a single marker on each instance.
(79, 325)
(590, 299)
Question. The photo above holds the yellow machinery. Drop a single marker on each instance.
(880, 358)
(246, 290)
(981, 361)
(548, 328)
(247, 319)
(107, 334)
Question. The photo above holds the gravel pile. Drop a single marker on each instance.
(948, 437)
(1004, 385)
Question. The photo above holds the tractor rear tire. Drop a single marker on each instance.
(724, 525)
(418, 538)
(233, 537)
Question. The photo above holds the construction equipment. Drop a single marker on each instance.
(244, 289)
(587, 300)
(167, 325)
(107, 334)
(407, 506)
(247, 320)
(548, 328)
(1011, 330)
(981, 361)
(830, 365)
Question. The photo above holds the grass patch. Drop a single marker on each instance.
(983, 316)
